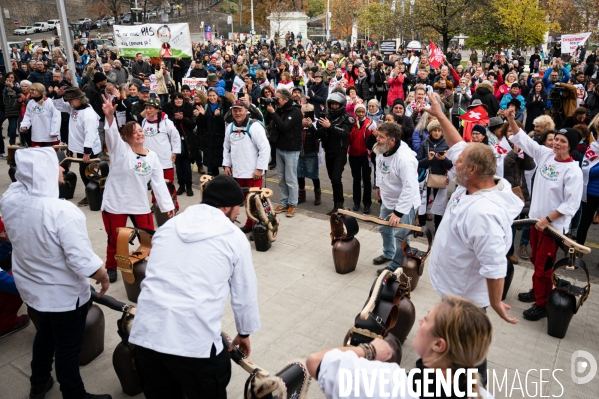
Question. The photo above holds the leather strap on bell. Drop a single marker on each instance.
(93, 172)
(203, 181)
(571, 263)
(343, 227)
(412, 252)
(259, 208)
(125, 259)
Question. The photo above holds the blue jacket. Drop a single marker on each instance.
(417, 139)
(593, 185)
(220, 88)
(548, 85)
(508, 97)
(7, 283)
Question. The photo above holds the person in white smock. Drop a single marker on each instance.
(132, 167)
(455, 334)
(52, 261)
(198, 259)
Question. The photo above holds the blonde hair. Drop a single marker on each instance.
(202, 97)
(307, 108)
(465, 328)
(285, 76)
(544, 120)
(40, 88)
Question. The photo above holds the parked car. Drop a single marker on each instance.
(100, 42)
(52, 23)
(18, 45)
(126, 19)
(24, 30)
(99, 24)
(40, 27)
(83, 21)
(109, 21)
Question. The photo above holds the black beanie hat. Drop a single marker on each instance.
(222, 191)
(479, 128)
(398, 101)
(572, 135)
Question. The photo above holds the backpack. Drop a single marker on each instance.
(247, 128)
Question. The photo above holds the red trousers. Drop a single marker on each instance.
(543, 253)
(9, 306)
(169, 176)
(45, 144)
(249, 183)
(112, 221)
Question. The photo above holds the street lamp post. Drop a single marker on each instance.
(68, 45)
(4, 42)
(252, 32)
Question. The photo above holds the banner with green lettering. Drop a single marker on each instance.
(154, 40)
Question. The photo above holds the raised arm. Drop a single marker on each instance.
(449, 131)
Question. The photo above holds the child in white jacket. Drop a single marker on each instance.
(42, 117)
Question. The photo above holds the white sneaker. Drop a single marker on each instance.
(3, 156)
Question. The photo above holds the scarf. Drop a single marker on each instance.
(591, 157)
(213, 107)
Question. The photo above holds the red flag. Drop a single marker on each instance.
(475, 114)
(436, 56)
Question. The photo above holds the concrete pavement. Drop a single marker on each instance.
(305, 306)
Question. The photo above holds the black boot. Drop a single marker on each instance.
(39, 391)
(189, 190)
(181, 188)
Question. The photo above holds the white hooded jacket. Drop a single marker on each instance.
(163, 138)
(44, 121)
(83, 127)
(397, 178)
(52, 255)
(198, 259)
(473, 239)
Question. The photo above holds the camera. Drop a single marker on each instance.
(556, 92)
(268, 101)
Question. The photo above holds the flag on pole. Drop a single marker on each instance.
(475, 114)
(436, 56)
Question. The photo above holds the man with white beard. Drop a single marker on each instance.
(397, 182)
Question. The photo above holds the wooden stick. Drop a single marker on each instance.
(18, 147)
(78, 160)
(567, 241)
(250, 366)
(376, 220)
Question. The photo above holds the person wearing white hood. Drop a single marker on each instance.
(198, 259)
(164, 139)
(52, 261)
(468, 255)
(84, 139)
(132, 167)
(398, 190)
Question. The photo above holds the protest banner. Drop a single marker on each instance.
(154, 40)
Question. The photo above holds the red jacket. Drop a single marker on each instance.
(357, 139)
(395, 89)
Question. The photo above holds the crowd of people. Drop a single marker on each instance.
(293, 108)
